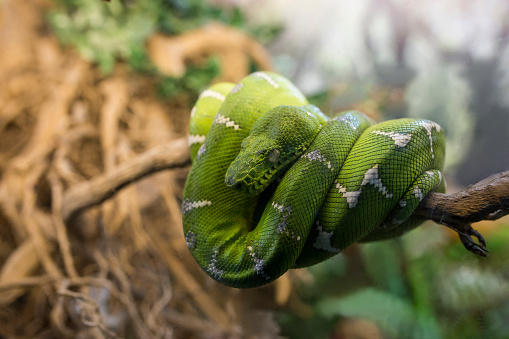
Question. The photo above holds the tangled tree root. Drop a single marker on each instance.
(119, 268)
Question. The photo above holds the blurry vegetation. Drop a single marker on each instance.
(108, 32)
(412, 287)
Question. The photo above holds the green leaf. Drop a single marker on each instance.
(394, 315)
(383, 263)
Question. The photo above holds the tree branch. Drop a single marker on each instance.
(173, 154)
(486, 200)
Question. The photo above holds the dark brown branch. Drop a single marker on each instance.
(486, 200)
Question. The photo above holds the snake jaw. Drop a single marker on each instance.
(251, 177)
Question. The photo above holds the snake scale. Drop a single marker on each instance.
(276, 184)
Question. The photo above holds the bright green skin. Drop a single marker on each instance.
(341, 180)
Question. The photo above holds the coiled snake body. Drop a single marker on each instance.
(275, 184)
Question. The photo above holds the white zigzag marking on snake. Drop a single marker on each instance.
(351, 197)
(400, 139)
(188, 205)
(370, 177)
(282, 226)
(431, 173)
(282, 209)
(221, 119)
(190, 239)
(208, 93)
(323, 240)
(258, 263)
(418, 193)
(214, 271)
(266, 77)
(428, 126)
(344, 119)
(236, 88)
(201, 150)
(195, 139)
(315, 155)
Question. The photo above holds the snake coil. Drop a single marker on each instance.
(275, 184)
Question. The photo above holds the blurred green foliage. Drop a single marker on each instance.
(106, 32)
(416, 286)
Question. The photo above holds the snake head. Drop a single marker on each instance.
(256, 166)
(275, 140)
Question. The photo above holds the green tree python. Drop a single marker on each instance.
(276, 184)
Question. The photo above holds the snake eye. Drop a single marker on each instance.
(274, 155)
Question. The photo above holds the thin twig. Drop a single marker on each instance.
(60, 229)
(170, 155)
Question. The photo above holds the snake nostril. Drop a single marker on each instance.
(230, 181)
(235, 184)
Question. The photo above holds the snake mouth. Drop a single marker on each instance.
(250, 180)
(253, 178)
(241, 182)
(262, 182)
